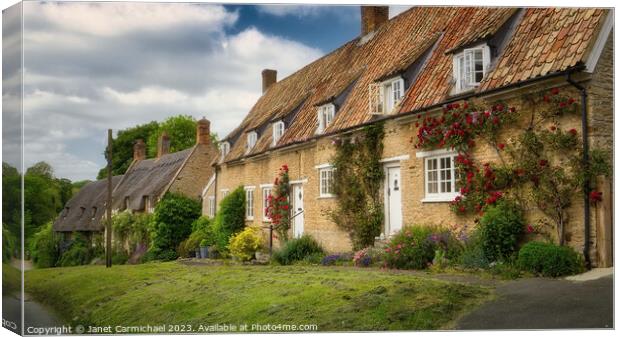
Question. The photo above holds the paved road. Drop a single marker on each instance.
(540, 303)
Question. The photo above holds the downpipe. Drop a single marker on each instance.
(585, 162)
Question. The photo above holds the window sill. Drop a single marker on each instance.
(249, 219)
(447, 198)
(326, 196)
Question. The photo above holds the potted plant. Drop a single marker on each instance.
(204, 249)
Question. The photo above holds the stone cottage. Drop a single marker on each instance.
(144, 183)
(85, 211)
(411, 65)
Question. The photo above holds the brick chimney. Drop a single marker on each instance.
(373, 17)
(139, 150)
(203, 131)
(163, 145)
(270, 77)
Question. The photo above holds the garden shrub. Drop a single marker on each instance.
(337, 259)
(473, 256)
(501, 229)
(171, 224)
(120, 257)
(303, 248)
(133, 228)
(45, 247)
(246, 243)
(202, 230)
(415, 247)
(411, 248)
(230, 218)
(79, 253)
(550, 260)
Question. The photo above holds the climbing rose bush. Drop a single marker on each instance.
(278, 204)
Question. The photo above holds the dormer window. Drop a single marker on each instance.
(325, 115)
(147, 204)
(126, 203)
(93, 213)
(278, 131)
(65, 213)
(252, 136)
(470, 66)
(224, 149)
(386, 95)
(82, 209)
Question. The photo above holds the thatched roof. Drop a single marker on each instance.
(148, 178)
(85, 211)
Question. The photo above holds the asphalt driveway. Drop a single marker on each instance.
(541, 303)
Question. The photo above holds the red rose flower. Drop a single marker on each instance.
(572, 132)
(571, 101)
(501, 146)
(552, 128)
(555, 91)
(529, 228)
(543, 163)
(546, 98)
(596, 196)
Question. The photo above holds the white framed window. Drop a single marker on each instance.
(439, 176)
(211, 204)
(278, 131)
(249, 203)
(224, 192)
(325, 115)
(386, 95)
(251, 141)
(470, 66)
(326, 182)
(266, 193)
(224, 149)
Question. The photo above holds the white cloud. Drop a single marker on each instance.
(107, 19)
(91, 67)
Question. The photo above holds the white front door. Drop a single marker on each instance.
(298, 208)
(393, 207)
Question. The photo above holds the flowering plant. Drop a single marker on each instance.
(362, 258)
(278, 205)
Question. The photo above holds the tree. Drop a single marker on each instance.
(171, 224)
(122, 147)
(42, 169)
(182, 132)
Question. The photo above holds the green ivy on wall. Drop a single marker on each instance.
(358, 175)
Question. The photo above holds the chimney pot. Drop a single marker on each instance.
(163, 145)
(203, 132)
(373, 17)
(270, 77)
(139, 150)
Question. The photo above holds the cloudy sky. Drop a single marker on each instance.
(94, 66)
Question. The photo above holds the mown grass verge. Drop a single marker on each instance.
(172, 293)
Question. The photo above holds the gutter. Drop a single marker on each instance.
(421, 110)
(585, 163)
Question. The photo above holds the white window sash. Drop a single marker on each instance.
(249, 203)
(437, 183)
(326, 180)
(266, 194)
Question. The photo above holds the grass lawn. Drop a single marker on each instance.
(334, 298)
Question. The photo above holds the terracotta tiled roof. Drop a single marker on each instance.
(543, 41)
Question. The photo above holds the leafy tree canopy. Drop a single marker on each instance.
(182, 132)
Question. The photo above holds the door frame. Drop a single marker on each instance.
(294, 184)
(386, 201)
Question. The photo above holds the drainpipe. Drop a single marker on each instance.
(585, 162)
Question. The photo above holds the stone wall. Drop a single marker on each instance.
(196, 172)
(399, 145)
